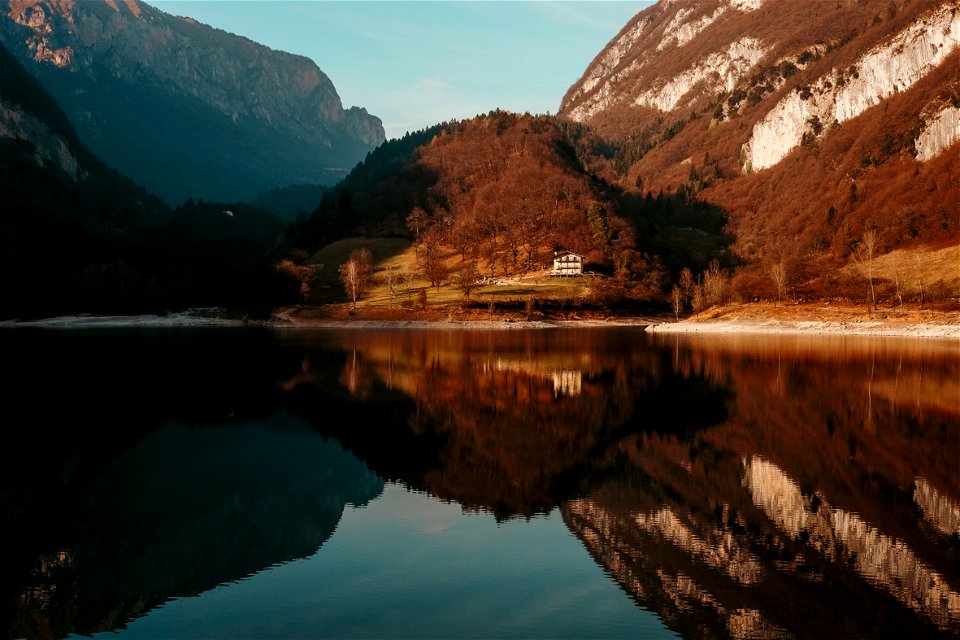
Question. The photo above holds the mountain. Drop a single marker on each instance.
(76, 236)
(185, 109)
(62, 208)
(809, 124)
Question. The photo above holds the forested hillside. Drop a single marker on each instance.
(500, 193)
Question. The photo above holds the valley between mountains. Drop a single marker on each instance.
(762, 162)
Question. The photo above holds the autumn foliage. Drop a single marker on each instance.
(489, 197)
(810, 212)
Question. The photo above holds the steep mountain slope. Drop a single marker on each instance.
(185, 109)
(60, 205)
(75, 236)
(810, 123)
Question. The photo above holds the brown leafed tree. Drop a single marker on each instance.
(434, 270)
(466, 278)
(697, 299)
(298, 272)
(417, 221)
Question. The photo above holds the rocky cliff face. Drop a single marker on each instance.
(187, 110)
(46, 147)
(798, 118)
(681, 55)
(891, 67)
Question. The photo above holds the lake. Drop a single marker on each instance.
(595, 482)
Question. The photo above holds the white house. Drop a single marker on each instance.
(567, 263)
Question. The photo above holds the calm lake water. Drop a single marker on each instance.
(230, 483)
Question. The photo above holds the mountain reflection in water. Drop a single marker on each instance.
(782, 487)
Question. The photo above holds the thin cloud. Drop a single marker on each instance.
(585, 14)
(432, 84)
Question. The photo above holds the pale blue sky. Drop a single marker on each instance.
(414, 64)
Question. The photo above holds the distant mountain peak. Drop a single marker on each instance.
(183, 108)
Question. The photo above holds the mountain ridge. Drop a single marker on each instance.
(140, 84)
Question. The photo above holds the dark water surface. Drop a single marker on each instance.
(226, 483)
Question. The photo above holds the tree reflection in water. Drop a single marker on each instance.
(739, 488)
(733, 486)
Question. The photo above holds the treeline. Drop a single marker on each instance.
(101, 244)
(373, 196)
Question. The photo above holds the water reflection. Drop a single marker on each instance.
(514, 422)
(761, 487)
(813, 508)
(840, 535)
(187, 509)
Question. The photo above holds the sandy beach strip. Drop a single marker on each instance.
(810, 327)
(876, 328)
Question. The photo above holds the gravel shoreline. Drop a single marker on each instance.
(807, 327)
(654, 325)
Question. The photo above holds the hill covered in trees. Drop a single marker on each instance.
(498, 194)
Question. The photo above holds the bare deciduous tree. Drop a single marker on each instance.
(676, 301)
(896, 277)
(864, 255)
(391, 276)
(686, 284)
(778, 272)
(715, 284)
(356, 272)
(466, 278)
(920, 276)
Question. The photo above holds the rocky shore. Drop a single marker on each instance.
(737, 319)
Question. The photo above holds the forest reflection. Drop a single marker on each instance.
(732, 485)
(781, 487)
(515, 421)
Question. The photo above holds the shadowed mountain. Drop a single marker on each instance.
(185, 109)
(77, 236)
(185, 476)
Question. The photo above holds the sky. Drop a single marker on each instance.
(416, 63)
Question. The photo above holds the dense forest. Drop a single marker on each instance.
(503, 191)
